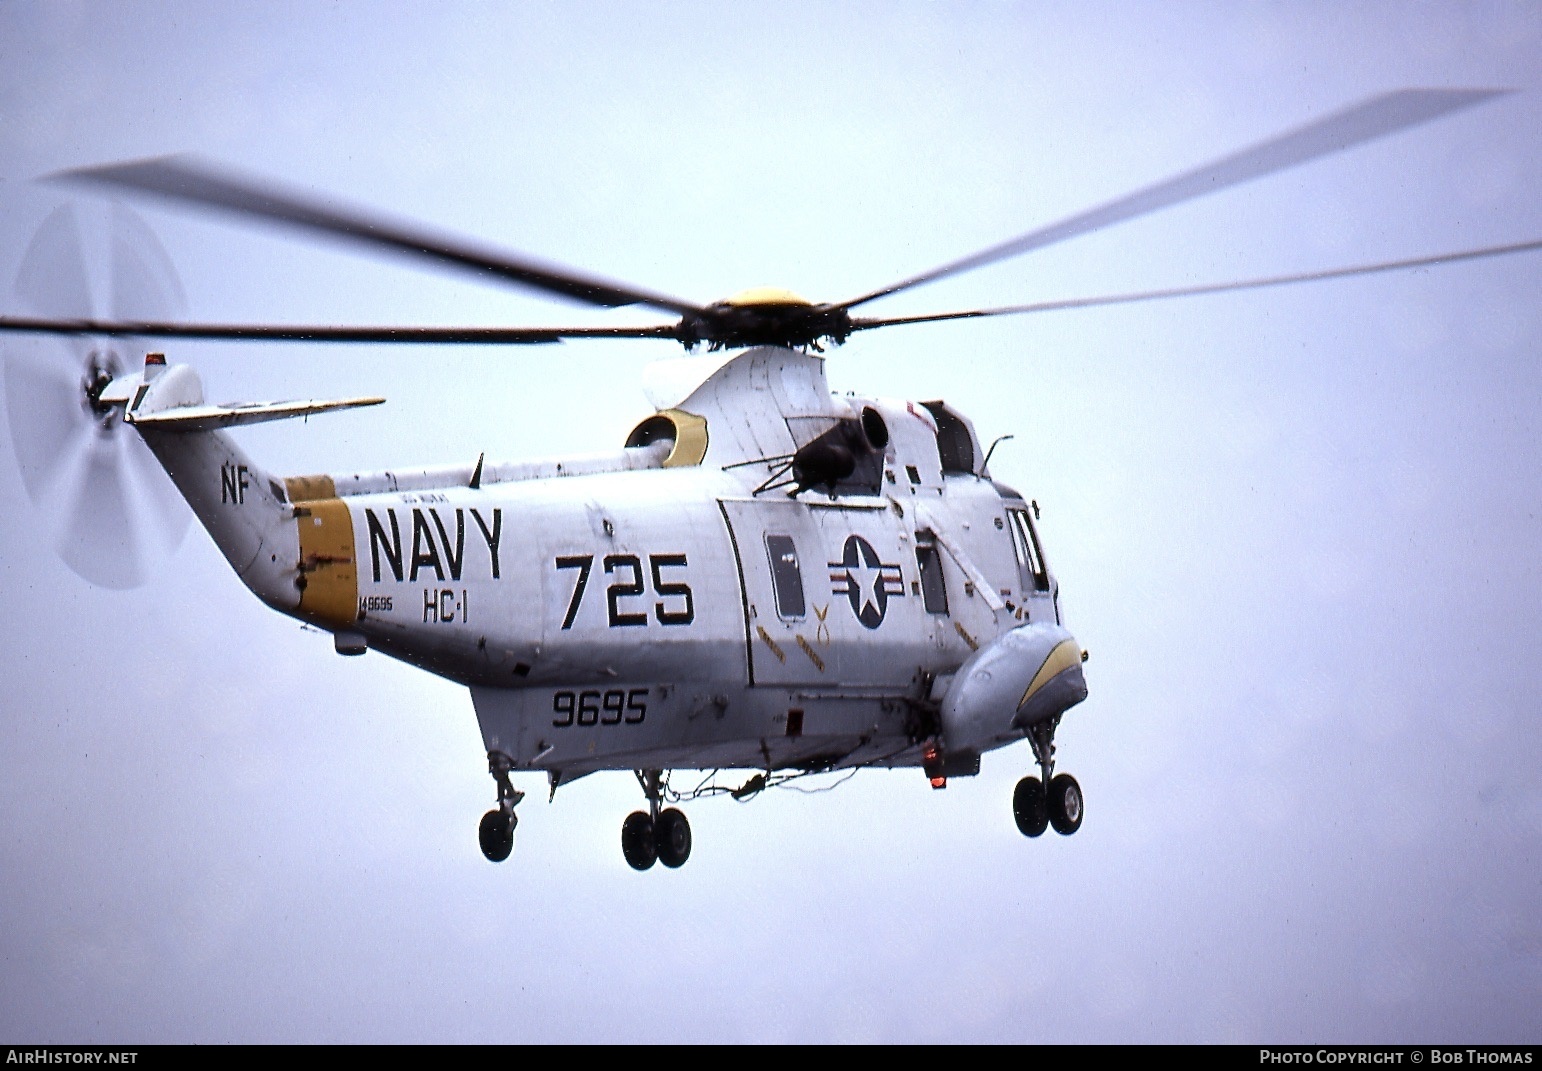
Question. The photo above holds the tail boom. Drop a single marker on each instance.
(290, 542)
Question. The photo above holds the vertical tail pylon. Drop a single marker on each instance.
(245, 510)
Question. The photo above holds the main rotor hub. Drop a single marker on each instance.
(765, 316)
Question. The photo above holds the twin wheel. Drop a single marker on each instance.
(666, 839)
(1061, 806)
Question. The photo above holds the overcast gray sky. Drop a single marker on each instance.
(1298, 530)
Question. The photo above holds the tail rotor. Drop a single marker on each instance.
(110, 507)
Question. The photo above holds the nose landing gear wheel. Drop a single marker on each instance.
(1030, 807)
(672, 834)
(637, 841)
(496, 834)
(1065, 804)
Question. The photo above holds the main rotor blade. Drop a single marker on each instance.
(475, 336)
(1356, 125)
(865, 324)
(198, 183)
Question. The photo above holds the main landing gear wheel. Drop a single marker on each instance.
(637, 841)
(1065, 804)
(654, 835)
(672, 836)
(496, 834)
(1030, 807)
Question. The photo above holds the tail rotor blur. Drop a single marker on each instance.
(111, 509)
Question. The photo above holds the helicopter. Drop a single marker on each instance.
(765, 577)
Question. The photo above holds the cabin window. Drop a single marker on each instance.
(786, 577)
(1028, 553)
(934, 593)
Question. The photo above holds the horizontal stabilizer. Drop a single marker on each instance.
(210, 417)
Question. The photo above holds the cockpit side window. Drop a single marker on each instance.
(1029, 555)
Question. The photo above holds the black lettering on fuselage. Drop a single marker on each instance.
(233, 483)
(378, 542)
(421, 559)
(438, 554)
(491, 537)
(441, 607)
(454, 559)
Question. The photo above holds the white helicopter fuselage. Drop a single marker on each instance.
(674, 604)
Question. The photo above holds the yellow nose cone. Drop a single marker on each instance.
(766, 295)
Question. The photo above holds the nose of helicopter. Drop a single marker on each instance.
(1020, 679)
(1057, 685)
